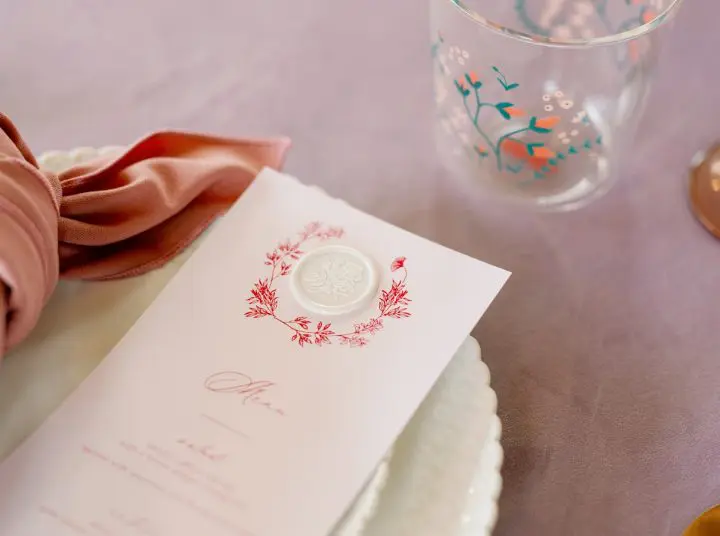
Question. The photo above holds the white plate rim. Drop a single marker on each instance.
(482, 508)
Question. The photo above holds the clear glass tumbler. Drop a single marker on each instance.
(539, 100)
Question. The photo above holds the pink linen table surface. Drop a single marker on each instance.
(604, 345)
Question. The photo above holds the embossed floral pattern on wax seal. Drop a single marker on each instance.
(334, 280)
(329, 280)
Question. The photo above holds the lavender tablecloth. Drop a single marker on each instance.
(605, 345)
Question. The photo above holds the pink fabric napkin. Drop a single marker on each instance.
(110, 219)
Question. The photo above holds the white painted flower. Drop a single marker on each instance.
(549, 108)
(566, 141)
(582, 114)
(559, 94)
(574, 133)
(547, 98)
(562, 135)
(458, 54)
(567, 104)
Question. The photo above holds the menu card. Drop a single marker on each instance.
(258, 392)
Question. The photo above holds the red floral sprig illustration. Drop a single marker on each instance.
(263, 301)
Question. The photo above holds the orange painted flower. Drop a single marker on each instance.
(548, 122)
(473, 77)
(543, 153)
(514, 148)
(649, 15)
(536, 162)
(515, 112)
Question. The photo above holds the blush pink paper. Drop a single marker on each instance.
(205, 420)
(111, 218)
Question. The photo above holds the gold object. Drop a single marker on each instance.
(708, 524)
(705, 189)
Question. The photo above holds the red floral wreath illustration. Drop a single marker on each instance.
(264, 301)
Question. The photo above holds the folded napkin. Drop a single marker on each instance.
(111, 218)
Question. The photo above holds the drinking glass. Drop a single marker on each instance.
(539, 101)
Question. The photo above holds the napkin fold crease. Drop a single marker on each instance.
(112, 217)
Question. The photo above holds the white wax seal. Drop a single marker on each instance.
(334, 280)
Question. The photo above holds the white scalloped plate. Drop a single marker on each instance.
(442, 477)
(444, 473)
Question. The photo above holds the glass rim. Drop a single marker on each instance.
(612, 39)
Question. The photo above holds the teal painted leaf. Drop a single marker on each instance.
(553, 161)
(572, 150)
(462, 89)
(545, 169)
(540, 130)
(513, 169)
(503, 80)
(506, 86)
(587, 144)
(480, 152)
(502, 108)
(477, 84)
(561, 156)
(599, 140)
(532, 146)
(538, 175)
